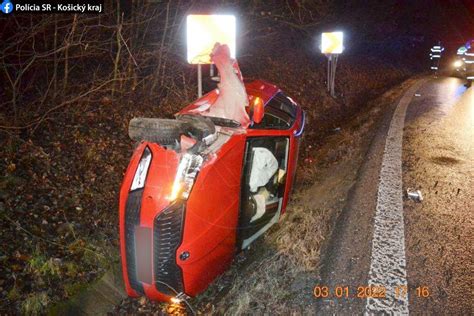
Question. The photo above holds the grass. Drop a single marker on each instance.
(35, 304)
(74, 288)
(295, 253)
(46, 271)
(39, 266)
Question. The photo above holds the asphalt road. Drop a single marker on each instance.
(389, 254)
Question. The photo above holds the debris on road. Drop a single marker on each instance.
(414, 195)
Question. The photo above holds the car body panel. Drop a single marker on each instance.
(211, 218)
(155, 194)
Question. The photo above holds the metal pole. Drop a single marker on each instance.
(332, 74)
(199, 81)
(329, 72)
(334, 65)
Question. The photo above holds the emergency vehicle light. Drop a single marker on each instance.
(457, 63)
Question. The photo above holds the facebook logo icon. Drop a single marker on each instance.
(6, 7)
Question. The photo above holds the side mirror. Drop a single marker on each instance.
(258, 110)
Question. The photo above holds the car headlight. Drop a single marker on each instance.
(457, 63)
(188, 169)
(142, 170)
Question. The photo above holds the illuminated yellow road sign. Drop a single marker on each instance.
(331, 43)
(203, 31)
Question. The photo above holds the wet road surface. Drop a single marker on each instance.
(421, 260)
(439, 160)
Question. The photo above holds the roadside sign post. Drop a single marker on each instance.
(332, 47)
(332, 64)
(203, 32)
(199, 66)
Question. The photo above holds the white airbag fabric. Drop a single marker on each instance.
(260, 200)
(232, 99)
(264, 166)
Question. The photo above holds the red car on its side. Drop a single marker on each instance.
(185, 213)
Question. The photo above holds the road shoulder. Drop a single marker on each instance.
(346, 259)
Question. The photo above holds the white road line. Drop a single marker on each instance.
(388, 264)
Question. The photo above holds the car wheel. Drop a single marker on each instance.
(199, 127)
(168, 132)
(161, 131)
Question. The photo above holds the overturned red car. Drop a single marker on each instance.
(205, 185)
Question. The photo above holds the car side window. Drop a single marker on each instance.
(280, 113)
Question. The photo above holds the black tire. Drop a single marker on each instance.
(199, 127)
(168, 132)
(161, 131)
(219, 121)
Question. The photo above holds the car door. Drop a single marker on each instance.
(265, 170)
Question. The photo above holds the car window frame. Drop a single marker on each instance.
(273, 110)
